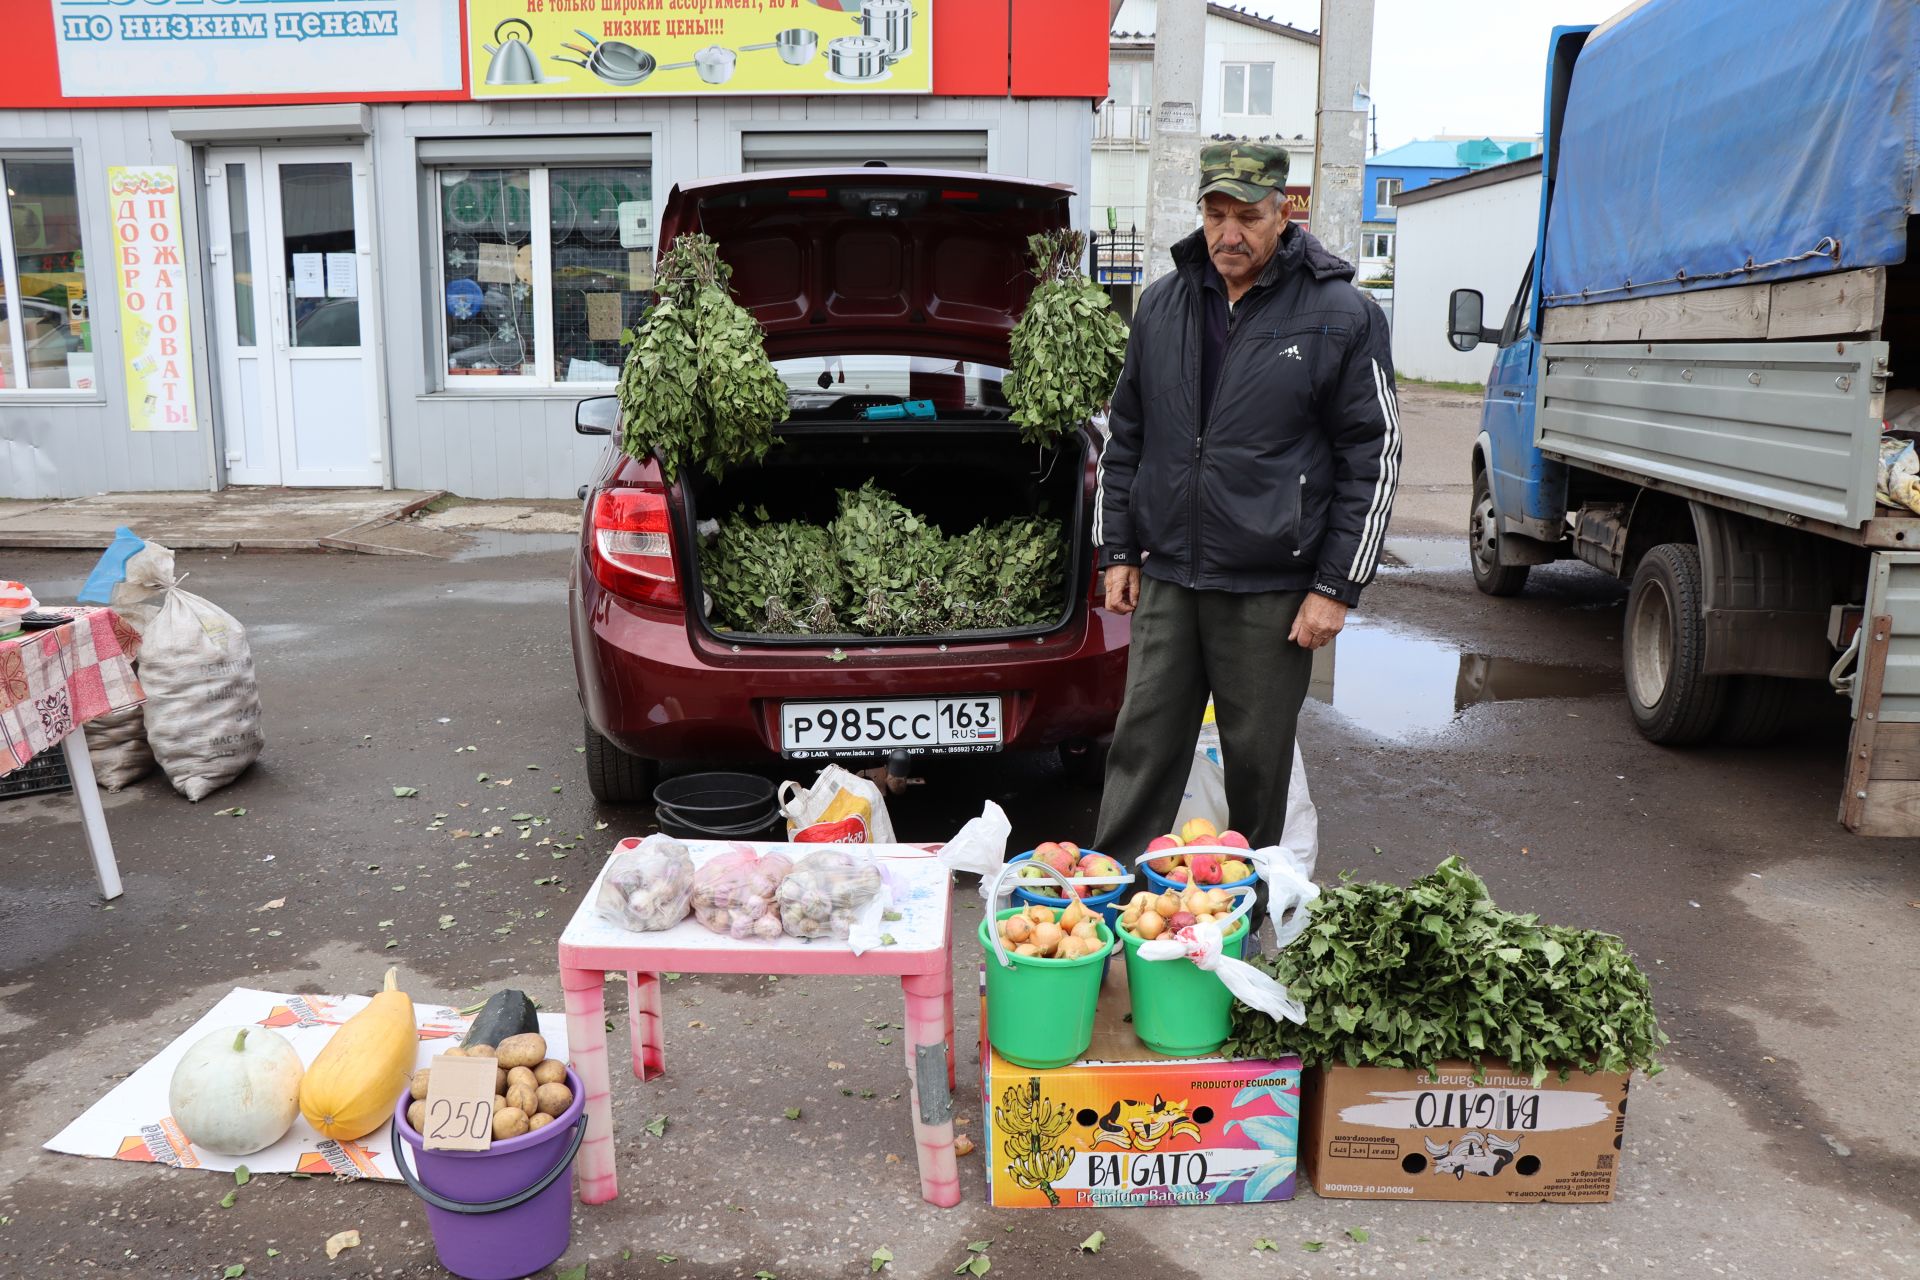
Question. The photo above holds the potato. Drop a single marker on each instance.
(526, 1050)
(499, 1103)
(522, 1075)
(523, 1098)
(510, 1123)
(479, 1051)
(418, 1089)
(500, 1080)
(417, 1116)
(455, 1052)
(539, 1122)
(555, 1098)
(552, 1071)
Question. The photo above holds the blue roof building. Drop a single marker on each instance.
(1410, 167)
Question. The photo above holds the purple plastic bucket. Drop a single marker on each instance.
(501, 1213)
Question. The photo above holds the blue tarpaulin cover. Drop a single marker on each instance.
(1702, 135)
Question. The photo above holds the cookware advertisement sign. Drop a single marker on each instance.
(150, 271)
(199, 48)
(608, 48)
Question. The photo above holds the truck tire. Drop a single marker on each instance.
(1756, 711)
(615, 777)
(1664, 647)
(1483, 546)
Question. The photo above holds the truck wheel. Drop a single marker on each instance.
(615, 777)
(1757, 708)
(1664, 646)
(1483, 546)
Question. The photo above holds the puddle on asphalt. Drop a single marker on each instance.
(1424, 553)
(487, 544)
(1403, 685)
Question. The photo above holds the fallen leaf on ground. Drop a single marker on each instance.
(1264, 1245)
(275, 905)
(229, 813)
(446, 922)
(657, 1126)
(601, 826)
(962, 1145)
(405, 793)
(242, 1176)
(793, 1113)
(237, 1269)
(1093, 1242)
(1313, 1246)
(572, 1273)
(1359, 1235)
(342, 1241)
(273, 1253)
(881, 1257)
(226, 1201)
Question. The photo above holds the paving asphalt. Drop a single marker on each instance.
(1784, 952)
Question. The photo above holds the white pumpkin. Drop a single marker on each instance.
(237, 1090)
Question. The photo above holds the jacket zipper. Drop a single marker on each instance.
(1200, 434)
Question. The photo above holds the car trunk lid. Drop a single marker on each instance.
(891, 261)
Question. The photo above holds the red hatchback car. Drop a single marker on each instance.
(875, 287)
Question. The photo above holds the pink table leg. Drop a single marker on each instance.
(929, 1004)
(587, 1046)
(643, 1025)
(952, 1080)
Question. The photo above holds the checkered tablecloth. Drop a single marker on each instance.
(51, 681)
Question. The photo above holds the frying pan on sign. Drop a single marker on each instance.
(619, 63)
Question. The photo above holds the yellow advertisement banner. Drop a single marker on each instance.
(609, 48)
(150, 273)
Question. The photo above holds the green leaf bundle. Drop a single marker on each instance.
(1068, 347)
(880, 569)
(1396, 977)
(697, 387)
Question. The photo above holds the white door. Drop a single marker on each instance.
(291, 251)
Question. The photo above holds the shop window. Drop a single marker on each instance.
(541, 270)
(1246, 88)
(46, 339)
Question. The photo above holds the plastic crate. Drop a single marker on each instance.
(44, 773)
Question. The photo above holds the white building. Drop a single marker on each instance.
(1261, 81)
(1472, 232)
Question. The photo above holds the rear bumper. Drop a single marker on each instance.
(658, 688)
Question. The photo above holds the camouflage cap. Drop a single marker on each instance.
(1249, 171)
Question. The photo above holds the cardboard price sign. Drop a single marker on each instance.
(459, 1105)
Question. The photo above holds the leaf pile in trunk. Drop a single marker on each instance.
(880, 569)
(1396, 977)
(697, 387)
(1068, 347)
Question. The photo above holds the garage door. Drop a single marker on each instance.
(899, 148)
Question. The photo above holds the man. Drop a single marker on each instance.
(1249, 471)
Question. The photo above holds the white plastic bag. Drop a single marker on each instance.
(980, 846)
(647, 886)
(1202, 944)
(838, 796)
(1206, 796)
(203, 705)
(828, 891)
(1898, 481)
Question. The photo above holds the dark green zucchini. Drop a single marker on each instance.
(506, 1013)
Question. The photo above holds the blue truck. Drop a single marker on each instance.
(1719, 327)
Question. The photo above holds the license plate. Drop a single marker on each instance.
(932, 726)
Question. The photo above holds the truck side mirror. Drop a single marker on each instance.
(598, 416)
(1464, 313)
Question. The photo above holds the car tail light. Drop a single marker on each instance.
(633, 546)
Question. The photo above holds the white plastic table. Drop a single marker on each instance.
(921, 957)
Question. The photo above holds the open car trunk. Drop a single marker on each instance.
(956, 475)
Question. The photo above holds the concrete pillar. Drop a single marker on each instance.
(1173, 158)
(1340, 130)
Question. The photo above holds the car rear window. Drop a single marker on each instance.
(817, 382)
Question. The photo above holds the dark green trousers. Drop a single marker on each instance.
(1187, 644)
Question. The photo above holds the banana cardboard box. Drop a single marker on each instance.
(1381, 1133)
(1126, 1127)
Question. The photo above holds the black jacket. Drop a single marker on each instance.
(1288, 484)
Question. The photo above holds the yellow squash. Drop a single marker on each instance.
(350, 1089)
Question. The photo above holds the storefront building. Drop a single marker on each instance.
(386, 244)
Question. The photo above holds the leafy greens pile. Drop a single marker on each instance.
(1396, 977)
(697, 385)
(878, 569)
(1067, 348)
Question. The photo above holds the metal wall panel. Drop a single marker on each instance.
(1893, 588)
(1794, 426)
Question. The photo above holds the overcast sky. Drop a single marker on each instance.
(1455, 66)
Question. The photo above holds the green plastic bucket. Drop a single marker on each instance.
(1039, 1012)
(1179, 1008)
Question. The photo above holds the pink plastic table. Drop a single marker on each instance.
(921, 956)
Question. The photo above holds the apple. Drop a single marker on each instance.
(1060, 860)
(1178, 875)
(1206, 868)
(1070, 847)
(1197, 830)
(1169, 841)
(1231, 840)
(1233, 870)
